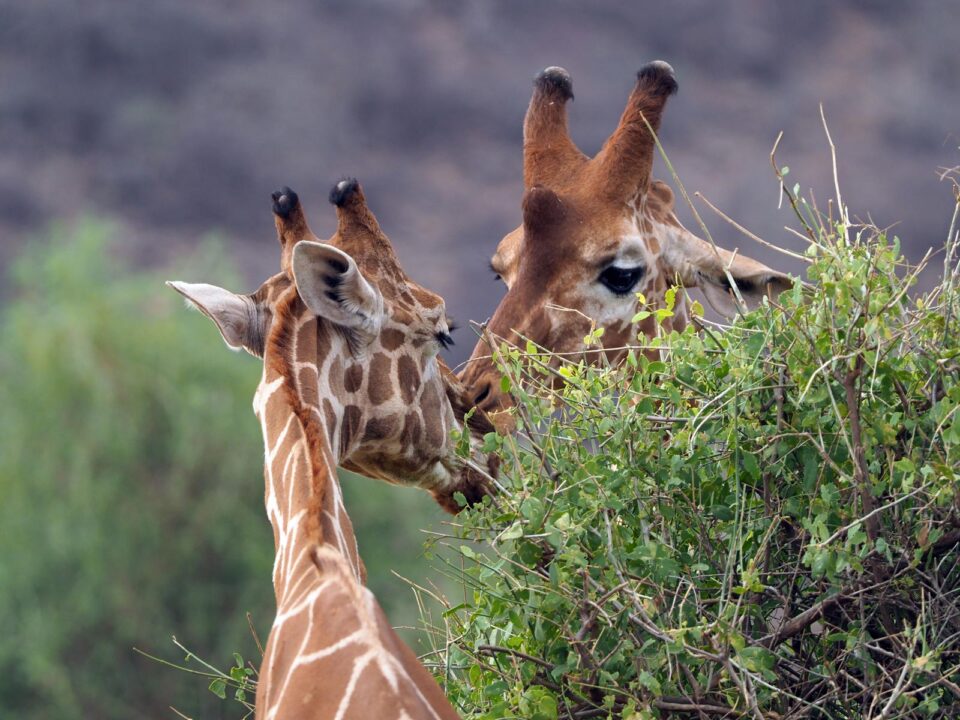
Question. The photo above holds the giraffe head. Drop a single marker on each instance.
(595, 232)
(357, 343)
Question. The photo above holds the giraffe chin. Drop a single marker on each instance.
(473, 485)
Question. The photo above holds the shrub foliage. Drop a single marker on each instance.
(762, 523)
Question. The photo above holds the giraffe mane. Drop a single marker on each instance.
(280, 345)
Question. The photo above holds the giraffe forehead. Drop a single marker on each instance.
(408, 295)
(424, 297)
(630, 242)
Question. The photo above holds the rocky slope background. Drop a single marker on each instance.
(179, 118)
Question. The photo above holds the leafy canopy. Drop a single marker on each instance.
(763, 523)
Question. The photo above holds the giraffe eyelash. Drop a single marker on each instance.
(445, 340)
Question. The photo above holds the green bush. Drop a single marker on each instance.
(763, 524)
(131, 484)
(131, 477)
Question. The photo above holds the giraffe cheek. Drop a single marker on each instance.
(412, 430)
(383, 428)
(434, 435)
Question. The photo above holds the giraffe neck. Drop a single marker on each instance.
(303, 498)
(331, 651)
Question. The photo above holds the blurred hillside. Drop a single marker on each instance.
(179, 117)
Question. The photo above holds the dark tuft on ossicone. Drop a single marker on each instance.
(341, 193)
(659, 76)
(284, 201)
(555, 79)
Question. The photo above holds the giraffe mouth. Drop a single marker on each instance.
(475, 483)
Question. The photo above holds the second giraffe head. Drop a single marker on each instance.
(597, 231)
(358, 341)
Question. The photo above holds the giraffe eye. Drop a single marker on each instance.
(621, 281)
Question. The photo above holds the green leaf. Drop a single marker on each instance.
(513, 532)
(721, 512)
(650, 682)
(218, 687)
(670, 298)
(822, 561)
(756, 658)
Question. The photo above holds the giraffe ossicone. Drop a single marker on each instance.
(597, 231)
(351, 377)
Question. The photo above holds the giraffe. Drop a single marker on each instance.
(350, 376)
(595, 232)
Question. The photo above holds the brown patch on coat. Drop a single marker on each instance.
(350, 427)
(412, 430)
(306, 336)
(433, 427)
(380, 381)
(408, 375)
(307, 382)
(335, 377)
(353, 378)
(381, 428)
(391, 339)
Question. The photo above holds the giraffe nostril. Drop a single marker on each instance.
(482, 395)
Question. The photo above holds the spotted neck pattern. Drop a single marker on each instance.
(331, 651)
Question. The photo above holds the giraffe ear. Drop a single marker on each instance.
(332, 286)
(700, 265)
(237, 317)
